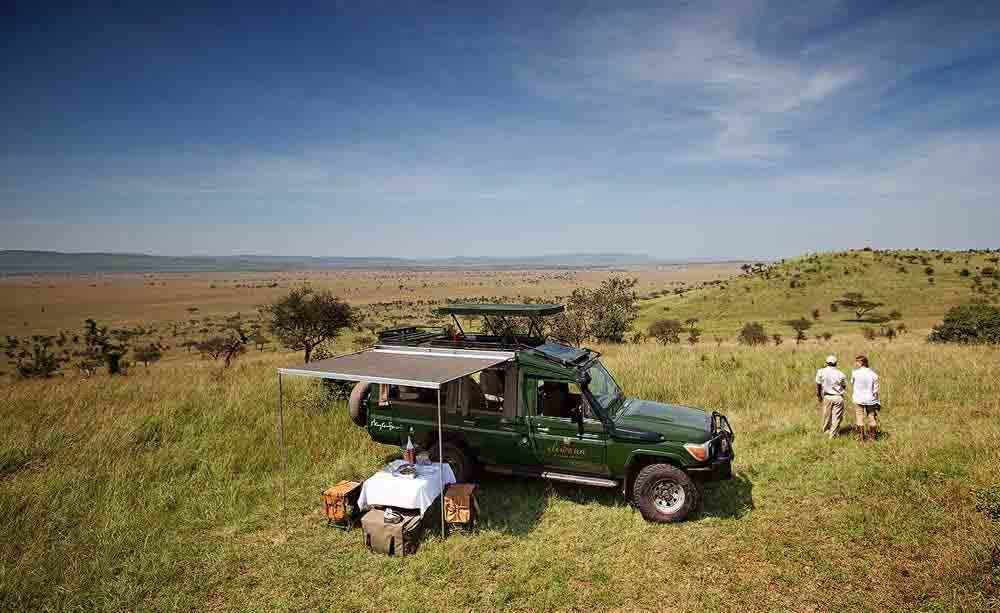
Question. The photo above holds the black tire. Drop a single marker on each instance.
(461, 463)
(664, 493)
(358, 404)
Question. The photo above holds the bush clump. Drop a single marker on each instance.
(753, 333)
(968, 324)
(667, 331)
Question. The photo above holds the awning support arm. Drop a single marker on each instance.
(284, 455)
(441, 460)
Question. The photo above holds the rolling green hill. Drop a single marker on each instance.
(921, 285)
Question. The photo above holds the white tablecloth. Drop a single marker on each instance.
(389, 490)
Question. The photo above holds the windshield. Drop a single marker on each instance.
(603, 387)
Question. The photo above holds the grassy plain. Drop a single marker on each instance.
(161, 490)
(46, 304)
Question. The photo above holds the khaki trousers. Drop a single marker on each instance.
(833, 413)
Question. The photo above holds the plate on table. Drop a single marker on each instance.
(406, 471)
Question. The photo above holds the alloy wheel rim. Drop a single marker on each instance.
(668, 496)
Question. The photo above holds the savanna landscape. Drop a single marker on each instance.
(159, 487)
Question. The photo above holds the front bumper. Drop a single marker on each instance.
(717, 470)
(720, 467)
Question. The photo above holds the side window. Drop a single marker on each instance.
(492, 383)
(559, 399)
(407, 395)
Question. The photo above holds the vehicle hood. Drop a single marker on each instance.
(673, 421)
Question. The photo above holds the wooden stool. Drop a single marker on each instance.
(460, 506)
(340, 504)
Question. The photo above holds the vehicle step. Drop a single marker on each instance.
(579, 479)
(553, 476)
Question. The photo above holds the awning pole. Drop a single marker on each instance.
(284, 456)
(441, 460)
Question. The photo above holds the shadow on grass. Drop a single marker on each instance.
(732, 499)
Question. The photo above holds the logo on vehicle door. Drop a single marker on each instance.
(566, 449)
(385, 425)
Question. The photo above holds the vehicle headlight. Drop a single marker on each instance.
(699, 452)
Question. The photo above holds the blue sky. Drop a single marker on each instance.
(689, 129)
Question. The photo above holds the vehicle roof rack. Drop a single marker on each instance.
(514, 310)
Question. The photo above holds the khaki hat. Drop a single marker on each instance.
(831, 360)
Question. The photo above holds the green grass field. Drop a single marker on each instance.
(161, 490)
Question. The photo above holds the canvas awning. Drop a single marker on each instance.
(413, 367)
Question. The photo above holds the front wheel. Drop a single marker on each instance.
(664, 493)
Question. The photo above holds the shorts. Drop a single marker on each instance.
(867, 414)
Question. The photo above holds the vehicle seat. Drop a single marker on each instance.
(473, 395)
(554, 399)
(492, 384)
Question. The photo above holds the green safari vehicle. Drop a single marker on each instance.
(541, 408)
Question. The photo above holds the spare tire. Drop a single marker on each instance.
(358, 404)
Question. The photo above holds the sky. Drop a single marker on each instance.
(432, 129)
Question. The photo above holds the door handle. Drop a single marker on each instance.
(469, 422)
(540, 429)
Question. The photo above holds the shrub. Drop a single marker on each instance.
(33, 358)
(988, 502)
(968, 323)
(777, 339)
(666, 331)
(869, 333)
(753, 333)
(147, 354)
(964, 272)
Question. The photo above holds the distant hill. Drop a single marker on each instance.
(31, 262)
(920, 284)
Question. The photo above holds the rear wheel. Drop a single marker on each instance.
(358, 404)
(461, 463)
(664, 493)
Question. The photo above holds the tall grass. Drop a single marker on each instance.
(161, 490)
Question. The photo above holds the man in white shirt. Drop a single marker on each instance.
(830, 387)
(865, 399)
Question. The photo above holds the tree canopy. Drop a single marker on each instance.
(305, 318)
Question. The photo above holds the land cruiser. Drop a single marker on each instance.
(546, 409)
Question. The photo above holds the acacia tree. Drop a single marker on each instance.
(105, 346)
(800, 326)
(857, 302)
(613, 309)
(305, 318)
(604, 314)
